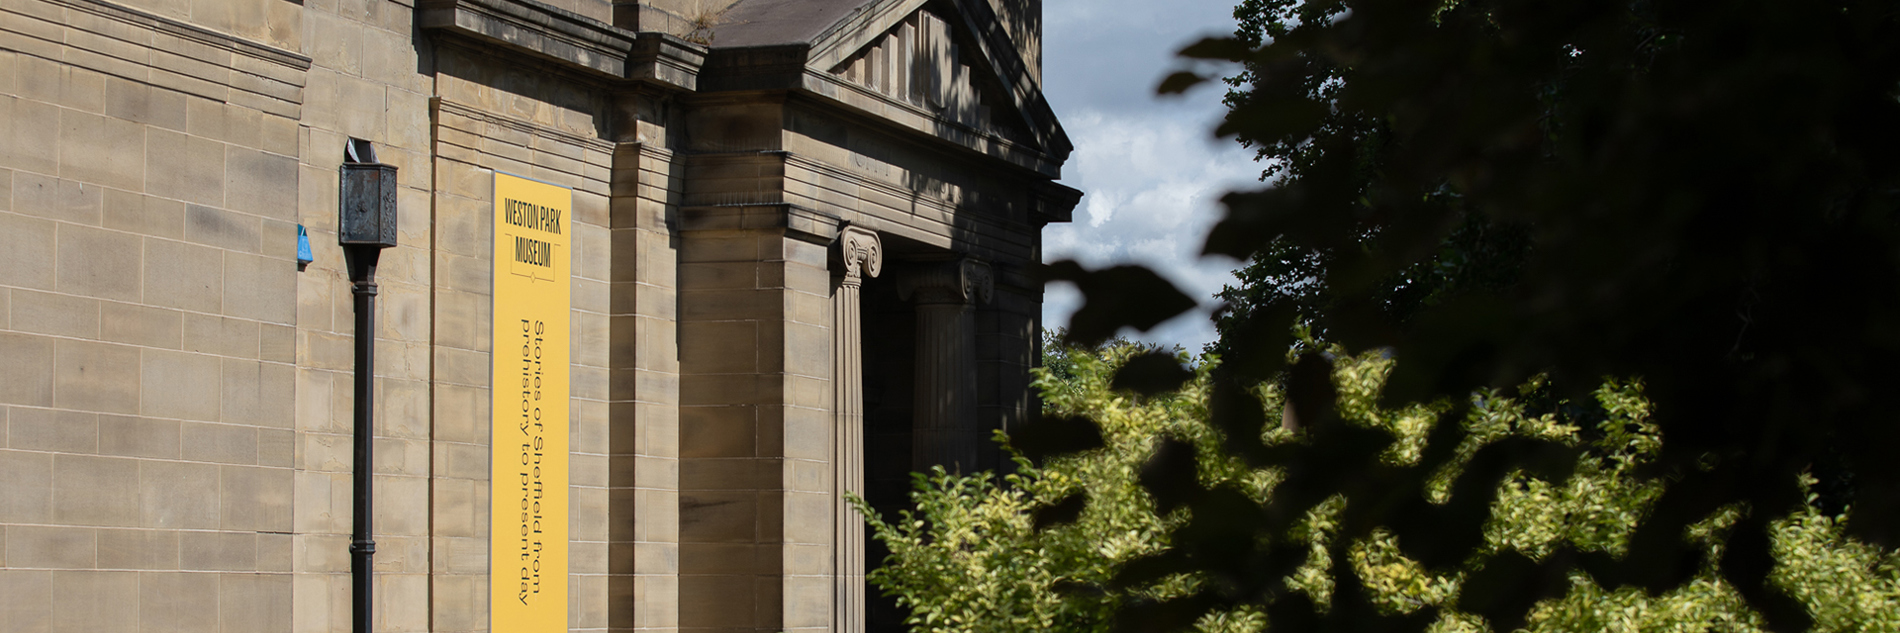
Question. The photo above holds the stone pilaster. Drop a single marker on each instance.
(857, 254)
(945, 295)
(756, 490)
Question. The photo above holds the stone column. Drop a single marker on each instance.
(945, 431)
(857, 254)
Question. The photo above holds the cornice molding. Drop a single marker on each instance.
(1054, 202)
(927, 202)
(666, 60)
(903, 115)
(191, 32)
(805, 69)
(1025, 91)
(593, 47)
(974, 17)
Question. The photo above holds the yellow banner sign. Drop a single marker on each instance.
(528, 504)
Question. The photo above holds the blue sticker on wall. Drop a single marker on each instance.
(304, 256)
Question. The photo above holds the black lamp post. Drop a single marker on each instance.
(366, 225)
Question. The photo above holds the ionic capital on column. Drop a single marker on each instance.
(963, 281)
(859, 254)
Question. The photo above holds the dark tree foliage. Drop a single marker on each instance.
(1479, 253)
(1700, 193)
(1476, 255)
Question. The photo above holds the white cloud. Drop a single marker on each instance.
(1150, 173)
(1101, 208)
(1151, 186)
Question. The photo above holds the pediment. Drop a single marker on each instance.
(936, 56)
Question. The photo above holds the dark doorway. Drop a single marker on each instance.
(889, 331)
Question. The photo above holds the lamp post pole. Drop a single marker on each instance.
(366, 225)
(362, 265)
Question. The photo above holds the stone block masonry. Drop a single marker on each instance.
(175, 405)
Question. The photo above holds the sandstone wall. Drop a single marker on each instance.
(176, 390)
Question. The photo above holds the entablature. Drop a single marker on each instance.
(579, 42)
(948, 94)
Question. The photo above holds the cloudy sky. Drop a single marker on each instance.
(1149, 170)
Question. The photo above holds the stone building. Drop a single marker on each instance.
(780, 248)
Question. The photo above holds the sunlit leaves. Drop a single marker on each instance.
(972, 558)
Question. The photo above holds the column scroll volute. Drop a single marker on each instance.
(860, 254)
(979, 282)
(967, 280)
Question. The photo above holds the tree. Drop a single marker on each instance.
(974, 556)
(979, 556)
(1708, 195)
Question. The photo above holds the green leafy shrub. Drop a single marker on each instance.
(970, 557)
